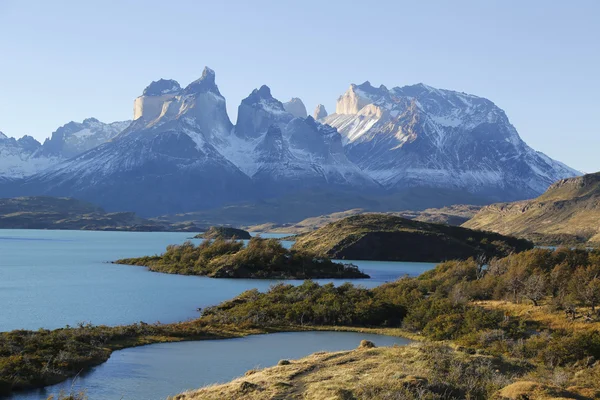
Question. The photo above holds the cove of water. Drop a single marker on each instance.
(156, 371)
(49, 279)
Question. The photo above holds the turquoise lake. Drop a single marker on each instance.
(50, 279)
(156, 371)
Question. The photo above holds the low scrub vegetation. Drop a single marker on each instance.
(531, 316)
(308, 304)
(261, 258)
(31, 359)
(455, 302)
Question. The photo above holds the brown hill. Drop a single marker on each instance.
(389, 238)
(567, 213)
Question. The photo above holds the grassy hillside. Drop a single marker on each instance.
(424, 371)
(390, 238)
(66, 213)
(567, 213)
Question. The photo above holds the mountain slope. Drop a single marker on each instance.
(421, 136)
(568, 212)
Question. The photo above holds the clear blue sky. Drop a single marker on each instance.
(538, 60)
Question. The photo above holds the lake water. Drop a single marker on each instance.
(156, 371)
(53, 278)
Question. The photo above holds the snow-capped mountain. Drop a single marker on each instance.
(281, 152)
(16, 157)
(182, 153)
(258, 111)
(75, 138)
(307, 154)
(417, 135)
(165, 161)
(26, 156)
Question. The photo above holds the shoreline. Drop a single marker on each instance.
(222, 332)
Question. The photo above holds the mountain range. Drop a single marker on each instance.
(181, 152)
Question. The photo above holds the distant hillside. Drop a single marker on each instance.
(304, 204)
(390, 238)
(452, 215)
(567, 213)
(66, 213)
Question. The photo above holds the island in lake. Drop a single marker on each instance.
(223, 232)
(260, 259)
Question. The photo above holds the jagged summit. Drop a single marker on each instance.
(206, 83)
(264, 92)
(75, 138)
(162, 87)
(296, 107)
(258, 111)
(320, 112)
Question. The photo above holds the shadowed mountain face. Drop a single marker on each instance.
(567, 213)
(182, 153)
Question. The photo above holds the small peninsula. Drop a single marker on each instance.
(384, 237)
(260, 259)
(224, 232)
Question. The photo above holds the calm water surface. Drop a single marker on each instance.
(159, 370)
(53, 278)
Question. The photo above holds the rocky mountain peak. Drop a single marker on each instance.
(3, 136)
(358, 96)
(29, 143)
(320, 112)
(208, 74)
(264, 92)
(162, 87)
(258, 111)
(206, 83)
(296, 107)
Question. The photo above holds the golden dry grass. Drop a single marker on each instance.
(553, 320)
(535, 391)
(377, 373)
(321, 376)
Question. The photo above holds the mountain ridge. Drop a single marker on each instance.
(380, 140)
